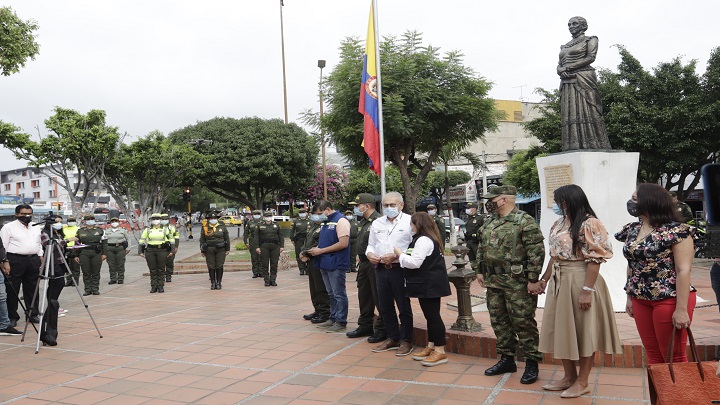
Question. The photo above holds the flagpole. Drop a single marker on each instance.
(282, 47)
(379, 97)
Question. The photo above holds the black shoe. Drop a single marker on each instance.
(309, 317)
(213, 286)
(168, 279)
(377, 337)
(86, 293)
(531, 372)
(274, 284)
(268, 284)
(359, 333)
(34, 319)
(13, 323)
(319, 319)
(218, 286)
(120, 281)
(153, 290)
(48, 339)
(505, 365)
(112, 282)
(96, 292)
(69, 283)
(10, 331)
(302, 273)
(161, 289)
(255, 276)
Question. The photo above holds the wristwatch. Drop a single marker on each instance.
(586, 288)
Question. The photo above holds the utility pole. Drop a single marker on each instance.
(484, 176)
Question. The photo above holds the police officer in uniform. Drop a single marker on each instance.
(214, 247)
(249, 239)
(683, 208)
(298, 234)
(155, 242)
(510, 258)
(354, 230)
(368, 324)
(92, 255)
(318, 293)
(70, 232)
(439, 222)
(175, 241)
(472, 226)
(118, 240)
(269, 242)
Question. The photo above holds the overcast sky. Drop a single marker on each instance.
(166, 64)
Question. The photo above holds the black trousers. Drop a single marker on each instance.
(318, 293)
(24, 271)
(368, 299)
(391, 292)
(435, 325)
(715, 280)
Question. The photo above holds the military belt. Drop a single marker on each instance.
(270, 241)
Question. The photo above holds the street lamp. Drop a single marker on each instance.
(282, 46)
(321, 65)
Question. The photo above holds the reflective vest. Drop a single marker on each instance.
(70, 232)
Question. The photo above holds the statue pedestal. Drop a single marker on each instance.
(608, 179)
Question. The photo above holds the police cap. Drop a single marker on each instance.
(267, 214)
(164, 216)
(500, 190)
(89, 216)
(302, 211)
(257, 212)
(213, 214)
(431, 206)
(471, 205)
(364, 198)
(114, 219)
(155, 216)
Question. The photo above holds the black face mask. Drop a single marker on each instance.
(491, 206)
(24, 219)
(632, 208)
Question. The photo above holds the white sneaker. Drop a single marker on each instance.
(62, 311)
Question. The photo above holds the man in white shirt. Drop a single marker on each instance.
(24, 253)
(387, 232)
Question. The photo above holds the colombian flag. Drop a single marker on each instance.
(369, 99)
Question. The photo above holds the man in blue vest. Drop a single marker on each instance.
(332, 257)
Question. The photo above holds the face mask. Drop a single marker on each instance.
(469, 211)
(391, 212)
(90, 222)
(432, 212)
(349, 217)
(71, 223)
(303, 216)
(357, 212)
(267, 219)
(318, 217)
(155, 222)
(213, 221)
(632, 208)
(24, 219)
(57, 227)
(115, 224)
(164, 221)
(256, 216)
(491, 206)
(557, 210)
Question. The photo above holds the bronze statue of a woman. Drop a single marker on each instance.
(580, 104)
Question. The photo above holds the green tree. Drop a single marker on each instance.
(522, 171)
(75, 151)
(17, 41)
(250, 159)
(148, 171)
(337, 182)
(437, 182)
(428, 101)
(363, 180)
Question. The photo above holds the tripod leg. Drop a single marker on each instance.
(17, 297)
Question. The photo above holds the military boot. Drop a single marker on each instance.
(505, 365)
(531, 372)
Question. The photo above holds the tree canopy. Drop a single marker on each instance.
(428, 101)
(17, 41)
(250, 159)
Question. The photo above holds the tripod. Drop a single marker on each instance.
(52, 248)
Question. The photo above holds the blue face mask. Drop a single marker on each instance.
(557, 210)
(318, 218)
(357, 212)
(391, 212)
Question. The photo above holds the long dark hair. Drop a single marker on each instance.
(657, 203)
(425, 226)
(577, 209)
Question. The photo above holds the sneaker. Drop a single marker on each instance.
(423, 354)
(388, 344)
(435, 359)
(326, 324)
(62, 311)
(10, 331)
(405, 348)
(61, 315)
(337, 327)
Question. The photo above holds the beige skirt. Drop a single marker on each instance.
(570, 332)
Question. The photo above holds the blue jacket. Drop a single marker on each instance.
(339, 260)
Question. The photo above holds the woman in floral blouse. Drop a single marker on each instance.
(659, 249)
(578, 318)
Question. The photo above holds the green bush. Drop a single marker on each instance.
(241, 246)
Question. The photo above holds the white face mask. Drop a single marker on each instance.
(432, 212)
(256, 216)
(90, 222)
(115, 224)
(71, 223)
(155, 222)
(303, 216)
(57, 227)
(213, 221)
(164, 221)
(469, 211)
(349, 217)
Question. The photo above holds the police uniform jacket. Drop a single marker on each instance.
(94, 238)
(268, 233)
(249, 231)
(498, 254)
(364, 234)
(116, 236)
(155, 236)
(215, 236)
(472, 226)
(299, 230)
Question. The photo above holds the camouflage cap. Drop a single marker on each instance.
(471, 205)
(500, 190)
(363, 198)
(431, 206)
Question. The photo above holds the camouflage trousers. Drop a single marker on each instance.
(512, 316)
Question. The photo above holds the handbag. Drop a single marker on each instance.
(689, 383)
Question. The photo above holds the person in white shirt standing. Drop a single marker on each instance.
(387, 232)
(24, 254)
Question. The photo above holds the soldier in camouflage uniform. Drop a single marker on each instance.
(439, 222)
(298, 234)
(510, 258)
(248, 232)
(472, 226)
(318, 293)
(354, 229)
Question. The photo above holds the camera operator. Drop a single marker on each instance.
(24, 253)
(53, 229)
